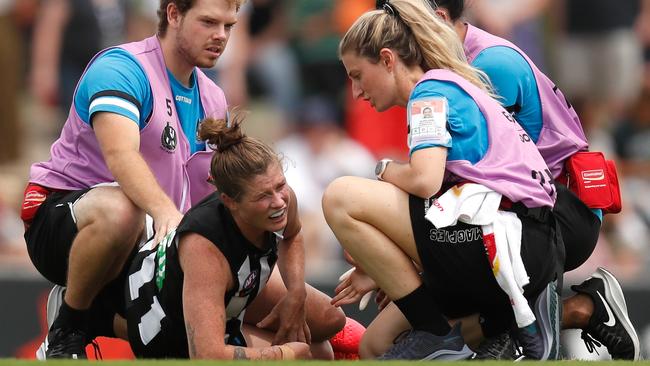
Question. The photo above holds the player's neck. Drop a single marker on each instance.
(461, 29)
(254, 235)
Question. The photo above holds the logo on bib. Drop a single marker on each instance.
(168, 138)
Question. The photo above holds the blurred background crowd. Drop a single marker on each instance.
(281, 63)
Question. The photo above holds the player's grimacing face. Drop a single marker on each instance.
(265, 204)
(204, 31)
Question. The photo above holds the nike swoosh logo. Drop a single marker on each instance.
(611, 321)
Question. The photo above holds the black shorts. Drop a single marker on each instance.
(579, 226)
(49, 239)
(50, 235)
(457, 271)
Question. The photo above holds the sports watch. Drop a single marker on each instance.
(380, 168)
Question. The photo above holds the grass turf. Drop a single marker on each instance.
(12, 362)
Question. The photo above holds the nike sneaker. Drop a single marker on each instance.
(423, 345)
(541, 339)
(609, 325)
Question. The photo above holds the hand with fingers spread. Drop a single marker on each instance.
(355, 285)
(289, 315)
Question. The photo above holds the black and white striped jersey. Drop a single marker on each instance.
(155, 282)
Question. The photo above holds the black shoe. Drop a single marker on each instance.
(531, 341)
(66, 343)
(609, 325)
(500, 347)
(540, 340)
(422, 345)
(54, 301)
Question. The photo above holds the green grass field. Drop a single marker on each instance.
(10, 362)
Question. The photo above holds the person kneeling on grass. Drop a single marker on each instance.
(188, 296)
(466, 150)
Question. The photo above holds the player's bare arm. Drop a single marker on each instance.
(207, 277)
(289, 313)
(119, 139)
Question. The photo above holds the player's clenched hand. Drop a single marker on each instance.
(289, 315)
(355, 286)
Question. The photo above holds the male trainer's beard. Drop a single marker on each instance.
(186, 52)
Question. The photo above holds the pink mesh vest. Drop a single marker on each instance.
(561, 135)
(76, 161)
(512, 166)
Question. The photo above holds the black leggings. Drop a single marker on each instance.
(457, 271)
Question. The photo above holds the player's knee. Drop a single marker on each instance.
(330, 323)
(118, 216)
(338, 319)
(123, 213)
(334, 199)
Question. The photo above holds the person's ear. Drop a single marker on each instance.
(173, 15)
(442, 14)
(387, 58)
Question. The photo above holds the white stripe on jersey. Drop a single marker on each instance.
(266, 272)
(117, 102)
(150, 325)
(143, 275)
(237, 303)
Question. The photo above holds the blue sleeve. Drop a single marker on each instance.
(465, 122)
(114, 82)
(514, 81)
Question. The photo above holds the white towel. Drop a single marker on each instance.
(502, 239)
(476, 204)
(471, 203)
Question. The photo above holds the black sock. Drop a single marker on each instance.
(422, 312)
(73, 318)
